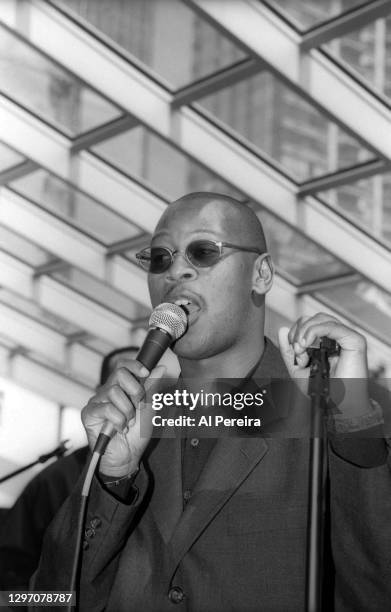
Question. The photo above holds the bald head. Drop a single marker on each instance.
(238, 221)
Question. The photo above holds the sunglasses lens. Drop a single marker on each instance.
(154, 260)
(203, 253)
(160, 260)
(144, 259)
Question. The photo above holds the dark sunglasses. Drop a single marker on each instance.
(199, 253)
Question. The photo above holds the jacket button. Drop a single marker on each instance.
(85, 545)
(89, 532)
(95, 522)
(176, 595)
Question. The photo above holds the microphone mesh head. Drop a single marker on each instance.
(169, 317)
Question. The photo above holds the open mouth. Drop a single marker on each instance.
(188, 306)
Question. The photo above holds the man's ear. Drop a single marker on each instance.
(263, 274)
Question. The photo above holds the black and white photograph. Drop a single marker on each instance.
(195, 305)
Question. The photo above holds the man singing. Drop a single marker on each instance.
(207, 524)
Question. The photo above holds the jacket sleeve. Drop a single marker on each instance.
(109, 522)
(360, 503)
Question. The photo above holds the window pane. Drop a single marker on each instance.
(43, 87)
(367, 203)
(98, 345)
(142, 154)
(71, 428)
(8, 157)
(101, 293)
(364, 302)
(285, 127)
(23, 249)
(305, 14)
(165, 35)
(368, 52)
(35, 311)
(66, 201)
(297, 258)
(23, 445)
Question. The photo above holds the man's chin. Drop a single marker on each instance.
(189, 346)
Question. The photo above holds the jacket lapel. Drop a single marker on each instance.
(230, 462)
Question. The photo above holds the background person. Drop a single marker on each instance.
(25, 523)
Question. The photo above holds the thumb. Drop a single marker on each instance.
(144, 411)
(153, 379)
(286, 350)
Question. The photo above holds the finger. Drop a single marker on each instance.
(154, 377)
(133, 387)
(286, 349)
(294, 334)
(302, 360)
(120, 400)
(293, 331)
(347, 338)
(114, 395)
(96, 414)
(144, 412)
(297, 349)
(308, 322)
(131, 365)
(293, 360)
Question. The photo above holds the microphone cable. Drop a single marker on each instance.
(79, 531)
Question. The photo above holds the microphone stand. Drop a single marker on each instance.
(318, 391)
(57, 452)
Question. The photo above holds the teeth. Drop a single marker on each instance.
(182, 302)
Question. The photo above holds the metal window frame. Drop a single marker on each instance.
(312, 72)
(343, 24)
(151, 105)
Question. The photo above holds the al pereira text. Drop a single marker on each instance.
(205, 421)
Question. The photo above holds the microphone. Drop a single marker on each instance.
(167, 323)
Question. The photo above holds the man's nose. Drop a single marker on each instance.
(181, 268)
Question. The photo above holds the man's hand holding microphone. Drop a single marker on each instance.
(118, 418)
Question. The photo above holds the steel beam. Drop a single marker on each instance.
(48, 149)
(126, 245)
(216, 82)
(55, 265)
(341, 25)
(103, 132)
(334, 281)
(47, 382)
(312, 73)
(62, 300)
(34, 336)
(198, 137)
(333, 180)
(34, 139)
(69, 244)
(18, 171)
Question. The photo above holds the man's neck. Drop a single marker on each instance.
(231, 364)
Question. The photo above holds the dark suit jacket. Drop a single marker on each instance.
(239, 544)
(24, 525)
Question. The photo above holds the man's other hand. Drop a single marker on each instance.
(350, 366)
